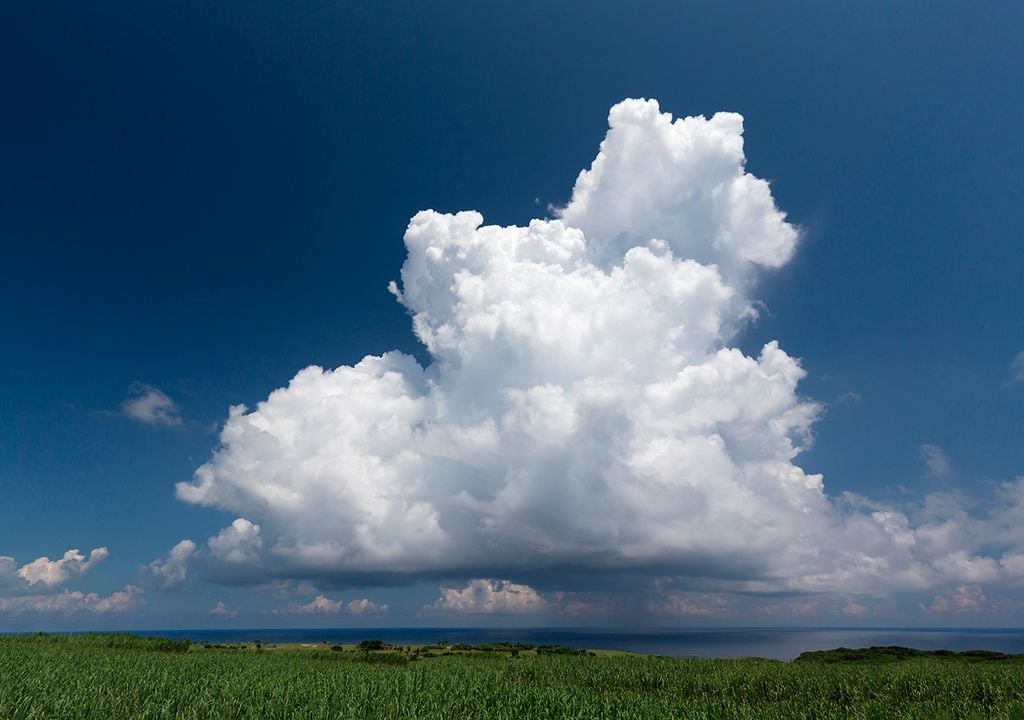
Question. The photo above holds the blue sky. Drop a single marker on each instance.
(203, 200)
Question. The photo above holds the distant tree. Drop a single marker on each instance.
(368, 645)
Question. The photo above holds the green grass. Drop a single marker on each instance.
(104, 676)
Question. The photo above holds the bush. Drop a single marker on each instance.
(368, 645)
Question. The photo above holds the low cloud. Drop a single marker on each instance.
(586, 411)
(32, 587)
(323, 605)
(318, 605)
(966, 599)
(854, 609)
(56, 572)
(223, 610)
(171, 571)
(69, 601)
(151, 406)
(485, 596)
(364, 606)
(694, 604)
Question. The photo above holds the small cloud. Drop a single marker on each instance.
(318, 605)
(849, 398)
(74, 601)
(363, 606)
(854, 609)
(484, 596)
(56, 572)
(151, 406)
(967, 598)
(223, 610)
(1017, 368)
(171, 571)
(935, 460)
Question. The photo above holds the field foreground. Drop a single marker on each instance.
(119, 676)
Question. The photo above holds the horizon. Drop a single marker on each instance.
(690, 317)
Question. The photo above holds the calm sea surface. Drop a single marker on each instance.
(778, 643)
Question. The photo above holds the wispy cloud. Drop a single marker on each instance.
(936, 462)
(223, 610)
(1017, 368)
(151, 406)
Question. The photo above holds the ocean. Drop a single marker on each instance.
(775, 643)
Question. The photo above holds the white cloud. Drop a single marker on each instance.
(935, 460)
(69, 601)
(239, 543)
(582, 411)
(1017, 368)
(319, 604)
(56, 572)
(323, 605)
(484, 596)
(31, 588)
(223, 610)
(151, 406)
(171, 571)
(966, 599)
(364, 606)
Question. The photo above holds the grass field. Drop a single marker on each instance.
(117, 676)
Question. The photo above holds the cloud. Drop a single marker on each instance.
(676, 603)
(69, 601)
(1017, 368)
(854, 609)
(237, 544)
(484, 597)
(323, 605)
(585, 412)
(31, 588)
(364, 606)
(171, 571)
(318, 605)
(56, 572)
(966, 599)
(935, 460)
(223, 610)
(151, 406)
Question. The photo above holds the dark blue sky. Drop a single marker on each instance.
(207, 197)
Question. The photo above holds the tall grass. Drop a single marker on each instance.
(82, 677)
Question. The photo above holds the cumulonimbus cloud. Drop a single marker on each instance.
(584, 408)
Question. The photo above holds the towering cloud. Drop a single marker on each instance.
(583, 409)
